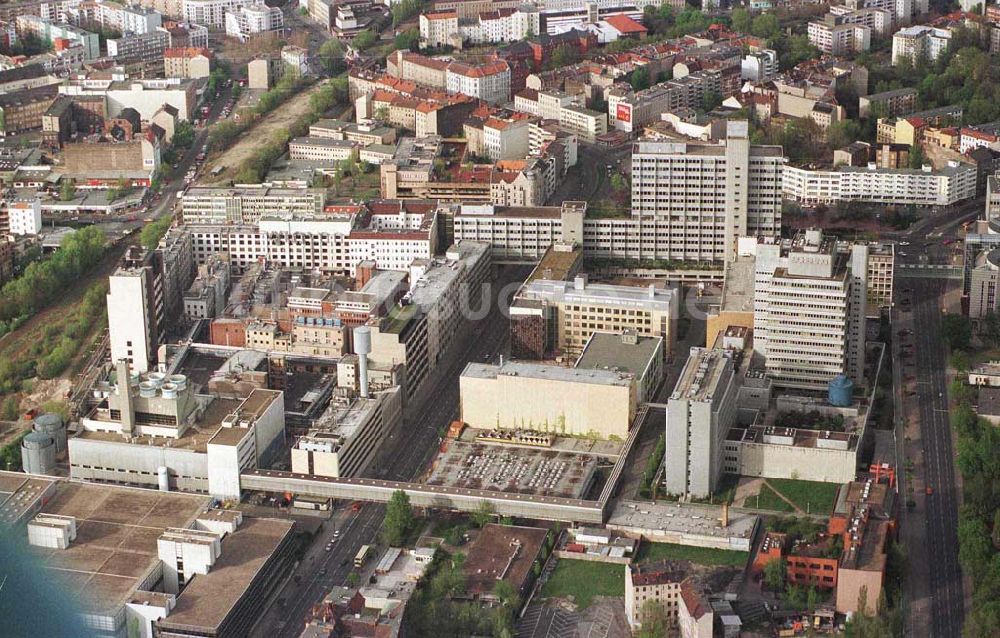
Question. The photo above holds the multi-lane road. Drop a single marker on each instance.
(406, 456)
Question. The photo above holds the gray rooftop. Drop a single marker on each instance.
(547, 372)
(610, 351)
(702, 374)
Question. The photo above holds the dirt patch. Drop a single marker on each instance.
(255, 137)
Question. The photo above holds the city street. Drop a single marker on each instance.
(935, 578)
(406, 456)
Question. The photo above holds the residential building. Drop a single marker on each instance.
(953, 183)
(254, 20)
(47, 30)
(207, 205)
(438, 28)
(700, 412)
(982, 135)
(833, 36)
(759, 66)
(487, 82)
(320, 149)
(660, 582)
(708, 194)
(206, 298)
(888, 103)
(919, 42)
(143, 52)
(212, 13)
(23, 110)
(24, 216)
(187, 62)
(135, 309)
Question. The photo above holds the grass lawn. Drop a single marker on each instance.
(767, 500)
(811, 496)
(582, 580)
(655, 552)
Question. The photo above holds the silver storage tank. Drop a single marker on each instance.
(38, 453)
(50, 423)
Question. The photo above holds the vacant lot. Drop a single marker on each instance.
(579, 581)
(251, 140)
(656, 552)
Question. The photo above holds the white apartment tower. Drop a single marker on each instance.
(135, 309)
(810, 302)
(709, 193)
(700, 412)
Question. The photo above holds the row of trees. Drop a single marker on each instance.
(43, 281)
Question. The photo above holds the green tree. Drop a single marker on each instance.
(741, 20)
(9, 409)
(959, 360)
(398, 518)
(408, 40)
(183, 135)
(957, 331)
(774, 574)
(353, 579)
(989, 329)
(364, 40)
(640, 79)
(654, 620)
(507, 595)
(67, 189)
(331, 53)
(765, 26)
(404, 10)
(917, 157)
(711, 100)
(484, 514)
(563, 55)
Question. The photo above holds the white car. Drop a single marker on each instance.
(904, 243)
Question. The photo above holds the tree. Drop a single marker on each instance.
(331, 53)
(484, 514)
(654, 620)
(989, 329)
(10, 410)
(564, 55)
(917, 157)
(959, 360)
(353, 579)
(364, 40)
(183, 135)
(404, 10)
(711, 100)
(765, 26)
(774, 574)
(67, 189)
(640, 79)
(408, 40)
(956, 331)
(506, 594)
(741, 20)
(398, 518)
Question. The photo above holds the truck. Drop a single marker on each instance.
(362, 555)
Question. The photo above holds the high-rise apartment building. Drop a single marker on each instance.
(810, 302)
(709, 194)
(135, 308)
(699, 414)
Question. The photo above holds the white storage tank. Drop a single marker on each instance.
(147, 389)
(180, 381)
(52, 424)
(163, 478)
(38, 453)
(156, 378)
(169, 390)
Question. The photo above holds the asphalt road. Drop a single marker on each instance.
(406, 456)
(940, 509)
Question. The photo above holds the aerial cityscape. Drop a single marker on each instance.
(499, 318)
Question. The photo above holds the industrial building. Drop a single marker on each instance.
(148, 563)
(155, 431)
(548, 398)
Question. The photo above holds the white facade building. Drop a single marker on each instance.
(25, 216)
(487, 82)
(921, 41)
(922, 187)
(246, 22)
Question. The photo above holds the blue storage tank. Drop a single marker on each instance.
(840, 391)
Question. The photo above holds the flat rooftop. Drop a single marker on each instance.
(737, 289)
(682, 518)
(517, 470)
(501, 552)
(701, 374)
(557, 264)
(116, 544)
(342, 421)
(547, 372)
(612, 351)
(585, 292)
(209, 598)
(19, 494)
(195, 438)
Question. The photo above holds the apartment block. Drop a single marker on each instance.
(888, 103)
(707, 195)
(205, 205)
(833, 36)
(919, 42)
(922, 187)
(254, 20)
(135, 309)
(187, 62)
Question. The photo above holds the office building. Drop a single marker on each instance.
(984, 282)
(709, 194)
(24, 216)
(810, 304)
(254, 20)
(558, 316)
(206, 205)
(700, 412)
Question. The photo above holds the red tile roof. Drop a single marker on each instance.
(624, 24)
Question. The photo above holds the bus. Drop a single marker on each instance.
(362, 556)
